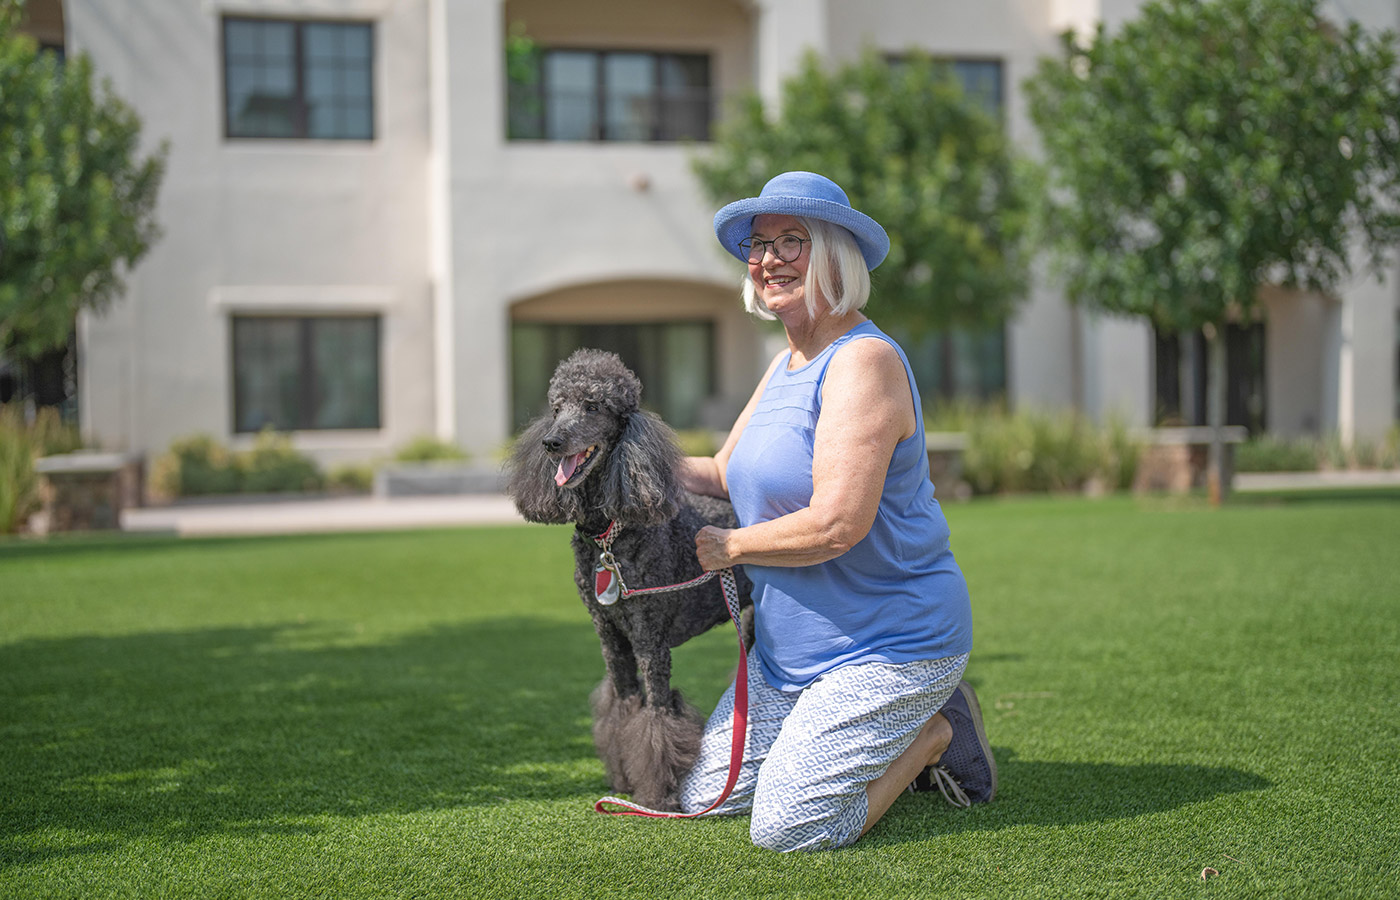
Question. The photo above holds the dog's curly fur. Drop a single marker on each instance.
(646, 734)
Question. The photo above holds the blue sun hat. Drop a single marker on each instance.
(801, 194)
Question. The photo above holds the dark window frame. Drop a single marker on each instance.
(1246, 376)
(301, 118)
(606, 335)
(939, 359)
(309, 387)
(951, 63)
(539, 93)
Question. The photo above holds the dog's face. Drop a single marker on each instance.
(591, 394)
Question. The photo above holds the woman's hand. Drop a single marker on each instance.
(712, 548)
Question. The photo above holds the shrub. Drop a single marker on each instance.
(1381, 454)
(52, 435)
(1121, 452)
(697, 442)
(20, 443)
(351, 478)
(19, 485)
(1272, 454)
(194, 466)
(998, 454)
(273, 466)
(199, 465)
(1043, 452)
(960, 415)
(429, 449)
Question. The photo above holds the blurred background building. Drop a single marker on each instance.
(375, 228)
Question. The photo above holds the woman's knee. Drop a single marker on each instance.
(805, 826)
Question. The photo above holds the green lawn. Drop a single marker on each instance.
(1168, 688)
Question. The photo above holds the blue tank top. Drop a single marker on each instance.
(897, 596)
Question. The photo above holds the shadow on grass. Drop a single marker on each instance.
(1054, 793)
(266, 730)
(262, 730)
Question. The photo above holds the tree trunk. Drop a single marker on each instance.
(1186, 376)
(1217, 478)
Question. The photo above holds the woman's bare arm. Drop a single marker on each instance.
(867, 409)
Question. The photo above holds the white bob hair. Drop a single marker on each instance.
(836, 272)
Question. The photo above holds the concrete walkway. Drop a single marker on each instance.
(1306, 481)
(383, 514)
(322, 514)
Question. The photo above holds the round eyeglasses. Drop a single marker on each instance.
(787, 247)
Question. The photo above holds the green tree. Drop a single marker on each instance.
(1209, 148)
(914, 153)
(77, 197)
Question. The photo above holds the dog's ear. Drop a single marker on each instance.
(531, 478)
(639, 484)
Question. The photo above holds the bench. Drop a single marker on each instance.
(945, 463)
(432, 479)
(1175, 460)
(87, 491)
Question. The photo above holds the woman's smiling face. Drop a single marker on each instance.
(782, 286)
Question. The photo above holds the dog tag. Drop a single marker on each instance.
(606, 585)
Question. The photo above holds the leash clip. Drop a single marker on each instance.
(607, 581)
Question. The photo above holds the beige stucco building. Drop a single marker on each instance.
(369, 236)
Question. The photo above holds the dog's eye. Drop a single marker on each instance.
(592, 407)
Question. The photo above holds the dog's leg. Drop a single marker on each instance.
(611, 714)
(618, 656)
(661, 741)
(616, 701)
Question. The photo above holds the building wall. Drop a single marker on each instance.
(1364, 336)
(450, 231)
(1295, 323)
(531, 218)
(1056, 359)
(259, 226)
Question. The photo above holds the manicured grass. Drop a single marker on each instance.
(1168, 688)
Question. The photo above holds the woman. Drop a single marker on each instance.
(863, 623)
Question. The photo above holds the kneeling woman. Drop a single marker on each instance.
(863, 624)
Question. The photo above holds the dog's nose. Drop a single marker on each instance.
(553, 444)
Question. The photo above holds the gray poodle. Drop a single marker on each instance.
(599, 461)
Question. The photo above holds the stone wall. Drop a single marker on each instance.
(87, 491)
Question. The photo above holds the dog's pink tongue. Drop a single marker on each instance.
(567, 466)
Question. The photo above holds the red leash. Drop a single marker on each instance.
(741, 701)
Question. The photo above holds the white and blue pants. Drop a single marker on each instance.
(809, 754)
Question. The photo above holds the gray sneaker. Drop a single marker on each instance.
(966, 773)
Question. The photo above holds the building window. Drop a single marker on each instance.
(1182, 367)
(594, 95)
(288, 79)
(980, 79)
(961, 363)
(674, 360)
(958, 364)
(305, 373)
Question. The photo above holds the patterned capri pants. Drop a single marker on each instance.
(809, 754)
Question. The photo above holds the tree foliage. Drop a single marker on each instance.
(1212, 147)
(915, 154)
(77, 197)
